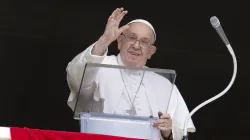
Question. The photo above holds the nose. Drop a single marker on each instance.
(136, 45)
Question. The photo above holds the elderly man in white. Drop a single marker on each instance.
(135, 42)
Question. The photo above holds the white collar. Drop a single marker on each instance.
(130, 72)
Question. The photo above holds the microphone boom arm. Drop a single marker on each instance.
(185, 136)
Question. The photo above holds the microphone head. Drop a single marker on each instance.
(215, 21)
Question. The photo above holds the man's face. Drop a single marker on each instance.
(135, 45)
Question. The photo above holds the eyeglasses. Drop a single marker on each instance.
(144, 42)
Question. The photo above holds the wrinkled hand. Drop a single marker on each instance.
(164, 124)
(112, 30)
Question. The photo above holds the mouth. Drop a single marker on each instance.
(134, 53)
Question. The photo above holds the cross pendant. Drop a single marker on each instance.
(131, 112)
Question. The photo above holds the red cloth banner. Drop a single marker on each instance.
(36, 134)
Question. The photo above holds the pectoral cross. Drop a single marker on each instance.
(131, 112)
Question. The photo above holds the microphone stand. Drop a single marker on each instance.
(185, 136)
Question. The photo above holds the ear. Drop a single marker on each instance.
(119, 41)
(152, 51)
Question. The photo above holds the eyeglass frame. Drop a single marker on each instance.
(133, 42)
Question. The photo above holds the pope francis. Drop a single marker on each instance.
(144, 90)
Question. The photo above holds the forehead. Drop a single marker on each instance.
(141, 30)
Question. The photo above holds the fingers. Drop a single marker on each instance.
(160, 114)
(163, 128)
(164, 124)
(161, 125)
(123, 28)
(165, 116)
(164, 119)
(117, 14)
(161, 121)
(112, 16)
(121, 15)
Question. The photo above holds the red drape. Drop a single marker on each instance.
(36, 134)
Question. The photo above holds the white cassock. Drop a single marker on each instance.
(118, 89)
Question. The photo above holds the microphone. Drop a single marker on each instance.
(216, 24)
(218, 28)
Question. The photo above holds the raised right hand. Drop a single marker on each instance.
(111, 33)
(112, 30)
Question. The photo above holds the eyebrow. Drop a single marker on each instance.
(136, 35)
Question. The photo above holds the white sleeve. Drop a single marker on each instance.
(180, 115)
(5, 133)
(75, 70)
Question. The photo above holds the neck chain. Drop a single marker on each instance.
(132, 111)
